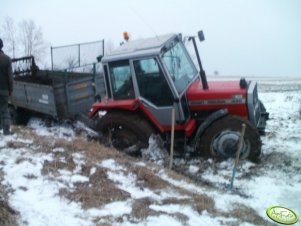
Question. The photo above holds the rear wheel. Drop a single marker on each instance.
(221, 139)
(18, 116)
(124, 131)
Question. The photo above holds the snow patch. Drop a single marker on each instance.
(115, 209)
(58, 130)
(34, 196)
(111, 164)
(193, 169)
(58, 150)
(155, 151)
(194, 218)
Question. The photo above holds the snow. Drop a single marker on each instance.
(194, 217)
(155, 151)
(55, 129)
(35, 197)
(92, 171)
(111, 164)
(162, 220)
(273, 183)
(270, 185)
(115, 209)
(127, 182)
(276, 180)
(193, 169)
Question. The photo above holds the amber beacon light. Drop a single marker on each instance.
(126, 36)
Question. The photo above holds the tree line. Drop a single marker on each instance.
(23, 39)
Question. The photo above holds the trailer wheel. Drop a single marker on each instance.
(124, 131)
(220, 140)
(18, 116)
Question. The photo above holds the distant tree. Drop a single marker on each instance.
(31, 39)
(72, 63)
(216, 72)
(9, 36)
(23, 40)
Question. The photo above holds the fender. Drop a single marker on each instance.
(130, 105)
(209, 120)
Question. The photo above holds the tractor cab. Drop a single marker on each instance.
(156, 71)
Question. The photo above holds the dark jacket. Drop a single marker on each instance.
(6, 76)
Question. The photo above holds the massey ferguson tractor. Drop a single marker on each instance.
(145, 79)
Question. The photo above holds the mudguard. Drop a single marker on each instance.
(130, 105)
(209, 120)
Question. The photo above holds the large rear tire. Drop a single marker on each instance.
(124, 131)
(220, 140)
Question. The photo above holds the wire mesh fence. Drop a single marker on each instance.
(76, 55)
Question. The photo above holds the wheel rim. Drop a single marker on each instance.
(225, 144)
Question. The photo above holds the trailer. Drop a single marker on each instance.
(66, 94)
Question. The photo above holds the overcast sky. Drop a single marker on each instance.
(243, 37)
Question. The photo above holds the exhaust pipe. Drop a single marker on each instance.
(202, 72)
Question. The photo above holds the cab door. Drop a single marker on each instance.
(154, 90)
(121, 80)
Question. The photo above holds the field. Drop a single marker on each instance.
(52, 175)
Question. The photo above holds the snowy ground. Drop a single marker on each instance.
(276, 180)
(52, 176)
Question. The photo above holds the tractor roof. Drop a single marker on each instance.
(139, 48)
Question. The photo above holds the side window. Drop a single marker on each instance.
(121, 80)
(151, 82)
(107, 81)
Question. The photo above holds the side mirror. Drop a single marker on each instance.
(99, 58)
(201, 36)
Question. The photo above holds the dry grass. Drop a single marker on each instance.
(141, 210)
(53, 167)
(246, 214)
(198, 202)
(100, 190)
(7, 214)
(147, 179)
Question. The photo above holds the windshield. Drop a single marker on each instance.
(180, 66)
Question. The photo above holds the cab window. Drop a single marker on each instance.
(152, 83)
(121, 80)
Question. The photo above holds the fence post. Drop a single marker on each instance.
(79, 55)
(241, 139)
(51, 58)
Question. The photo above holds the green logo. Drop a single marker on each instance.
(282, 215)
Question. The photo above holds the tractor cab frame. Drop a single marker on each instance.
(157, 72)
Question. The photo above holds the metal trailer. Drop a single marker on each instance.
(58, 94)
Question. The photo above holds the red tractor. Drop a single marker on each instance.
(145, 79)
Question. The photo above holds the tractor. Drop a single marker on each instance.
(145, 79)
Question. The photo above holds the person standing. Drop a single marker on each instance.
(6, 89)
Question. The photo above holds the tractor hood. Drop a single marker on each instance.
(220, 94)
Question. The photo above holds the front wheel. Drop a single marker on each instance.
(221, 139)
